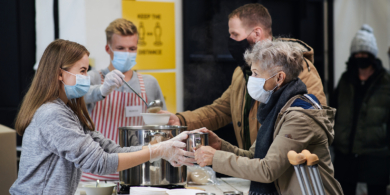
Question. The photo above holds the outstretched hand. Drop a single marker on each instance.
(172, 152)
(214, 141)
(204, 155)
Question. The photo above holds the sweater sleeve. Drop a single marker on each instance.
(63, 135)
(109, 145)
(275, 163)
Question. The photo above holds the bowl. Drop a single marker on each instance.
(102, 189)
(155, 119)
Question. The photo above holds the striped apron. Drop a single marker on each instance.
(109, 114)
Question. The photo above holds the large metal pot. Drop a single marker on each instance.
(159, 172)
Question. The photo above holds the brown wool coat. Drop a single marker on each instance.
(295, 129)
(230, 106)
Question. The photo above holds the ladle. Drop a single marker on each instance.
(153, 107)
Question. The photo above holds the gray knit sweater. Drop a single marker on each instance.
(56, 149)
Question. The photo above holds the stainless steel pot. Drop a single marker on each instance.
(196, 140)
(159, 172)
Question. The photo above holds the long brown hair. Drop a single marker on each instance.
(45, 87)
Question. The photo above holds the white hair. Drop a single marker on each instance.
(277, 55)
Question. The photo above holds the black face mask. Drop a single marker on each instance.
(361, 62)
(237, 50)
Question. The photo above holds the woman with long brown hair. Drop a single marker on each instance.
(59, 141)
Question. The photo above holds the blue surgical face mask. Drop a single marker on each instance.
(79, 89)
(123, 61)
(256, 89)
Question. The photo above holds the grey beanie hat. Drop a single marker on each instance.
(364, 41)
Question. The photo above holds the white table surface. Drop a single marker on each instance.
(223, 185)
(227, 184)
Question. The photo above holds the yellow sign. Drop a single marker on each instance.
(167, 82)
(92, 62)
(156, 29)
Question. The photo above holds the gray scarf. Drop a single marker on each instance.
(266, 115)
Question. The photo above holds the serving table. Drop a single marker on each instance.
(224, 184)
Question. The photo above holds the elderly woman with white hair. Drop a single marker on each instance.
(291, 120)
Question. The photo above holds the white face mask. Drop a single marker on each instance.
(256, 89)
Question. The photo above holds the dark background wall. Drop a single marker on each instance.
(17, 55)
(208, 65)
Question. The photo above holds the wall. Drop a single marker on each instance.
(17, 57)
(99, 13)
(349, 16)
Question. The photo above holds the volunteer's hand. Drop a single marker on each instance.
(112, 80)
(204, 155)
(173, 119)
(171, 151)
(181, 137)
(214, 141)
(159, 138)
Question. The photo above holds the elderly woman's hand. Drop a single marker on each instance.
(214, 140)
(204, 155)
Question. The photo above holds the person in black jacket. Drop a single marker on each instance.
(362, 100)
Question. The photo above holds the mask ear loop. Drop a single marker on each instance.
(277, 85)
(109, 46)
(69, 73)
(113, 55)
(63, 82)
(63, 76)
(249, 34)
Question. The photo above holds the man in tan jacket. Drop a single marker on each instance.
(248, 24)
